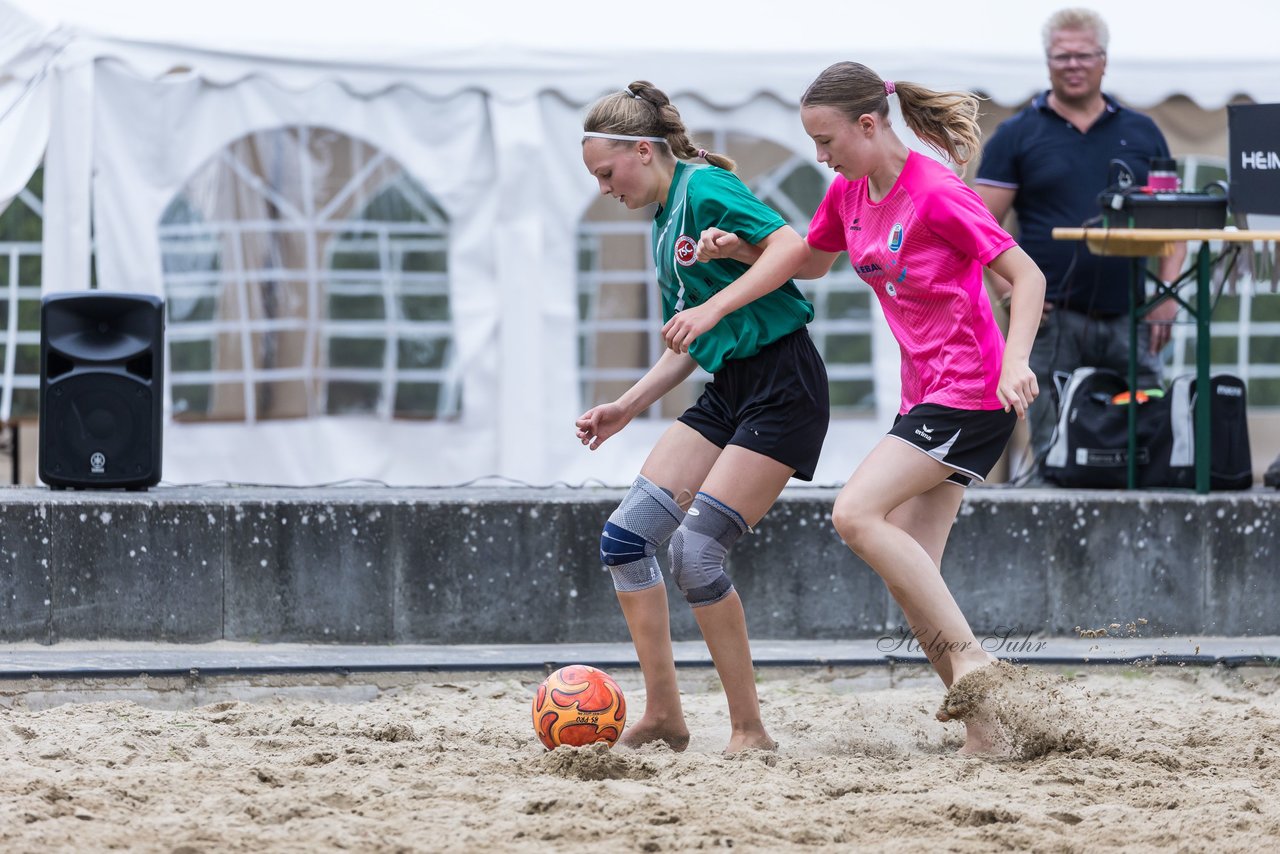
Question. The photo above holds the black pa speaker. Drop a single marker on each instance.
(101, 380)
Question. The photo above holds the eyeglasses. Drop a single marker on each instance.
(1085, 60)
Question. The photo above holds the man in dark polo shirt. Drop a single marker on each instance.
(1049, 162)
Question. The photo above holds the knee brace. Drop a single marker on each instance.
(644, 520)
(699, 547)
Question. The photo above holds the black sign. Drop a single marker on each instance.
(1253, 133)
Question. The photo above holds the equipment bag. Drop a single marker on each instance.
(1230, 462)
(1090, 444)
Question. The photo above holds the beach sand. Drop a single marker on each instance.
(1161, 758)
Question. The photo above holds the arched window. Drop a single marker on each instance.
(620, 312)
(306, 274)
(388, 336)
(21, 233)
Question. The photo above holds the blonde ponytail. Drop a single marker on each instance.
(644, 110)
(948, 121)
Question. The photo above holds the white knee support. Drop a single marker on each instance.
(643, 521)
(699, 548)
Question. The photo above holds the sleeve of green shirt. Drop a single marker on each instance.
(720, 200)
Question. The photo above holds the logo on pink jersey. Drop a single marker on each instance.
(895, 237)
(686, 251)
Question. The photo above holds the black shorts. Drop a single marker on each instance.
(774, 403)
(969, 440)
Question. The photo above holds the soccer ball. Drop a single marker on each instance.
(578, 705)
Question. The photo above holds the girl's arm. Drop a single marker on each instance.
(780, 255)
(716, 243)
(600, 422)
(1018, 386)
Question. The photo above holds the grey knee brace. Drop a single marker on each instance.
(643, 521)
(699, 547)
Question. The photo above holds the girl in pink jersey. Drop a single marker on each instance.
(920, 238)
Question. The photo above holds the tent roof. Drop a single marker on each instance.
(1210, 53)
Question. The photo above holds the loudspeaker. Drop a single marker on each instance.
(101, 380)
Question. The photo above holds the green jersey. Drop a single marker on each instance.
(703, 197)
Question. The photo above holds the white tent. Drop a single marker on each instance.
(484, 112)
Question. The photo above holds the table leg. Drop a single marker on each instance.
(1203, 381)
(1137, 281)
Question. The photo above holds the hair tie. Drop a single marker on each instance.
(889, 88)
(702, 152)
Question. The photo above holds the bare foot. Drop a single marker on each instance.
(644, 731)
(959, 671)
(970, 700)
(750, 739)
(963, 668)
(980, 740)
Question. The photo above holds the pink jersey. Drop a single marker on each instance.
(922, 249)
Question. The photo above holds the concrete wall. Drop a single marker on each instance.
(378, 566)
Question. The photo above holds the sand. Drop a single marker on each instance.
(1148, 759)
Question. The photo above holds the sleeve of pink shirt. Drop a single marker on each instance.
(826, 229)
(957, 215)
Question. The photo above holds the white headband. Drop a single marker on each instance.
(623, 137)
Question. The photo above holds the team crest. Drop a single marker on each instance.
(895, 237)
(686, 251)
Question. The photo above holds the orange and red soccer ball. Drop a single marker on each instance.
(578, 705)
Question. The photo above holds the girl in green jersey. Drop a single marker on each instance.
(760, 421)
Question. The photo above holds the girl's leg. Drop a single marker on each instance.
(928, 519)
(678, 463)
(649, 623)
(893, 474)
(748, 483)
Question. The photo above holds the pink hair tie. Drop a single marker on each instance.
(702, 152)
(889, 88)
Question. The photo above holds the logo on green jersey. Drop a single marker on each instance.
(686, 251)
